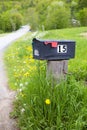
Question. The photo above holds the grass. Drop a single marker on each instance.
(3, 34)
(39, 105)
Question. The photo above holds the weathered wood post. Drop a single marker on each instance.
(57, 53)
(58, 69)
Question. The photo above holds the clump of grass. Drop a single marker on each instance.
(44, 107)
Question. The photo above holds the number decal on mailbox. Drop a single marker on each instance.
(62, 49)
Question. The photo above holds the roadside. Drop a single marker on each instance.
(7, 96)
(6, 99)
(8, 39)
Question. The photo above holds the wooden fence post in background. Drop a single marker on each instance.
(58, 70)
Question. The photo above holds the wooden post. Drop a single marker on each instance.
(57, 69)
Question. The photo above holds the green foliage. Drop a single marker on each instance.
(46, 14)
(4, 6)
(52, 16)
(57, 16)
(82, 16)
(16, 20)
(32, 19)
(41, 8)
(82, 4)
(5, 22)
(10, 21)
(1, 31)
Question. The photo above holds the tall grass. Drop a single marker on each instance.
(39, 105)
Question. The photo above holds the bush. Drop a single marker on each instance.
(1, 31)
(16, 20)
(32, 19)
(10, 21)
(5, 22)
(57, 16)
(49, 16)
(82, 16)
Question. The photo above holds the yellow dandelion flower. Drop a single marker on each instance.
(47, 101)
(31, 60)
(26, 74)
(31, 57)
(33, 68)
(22, 95)
(29, 48)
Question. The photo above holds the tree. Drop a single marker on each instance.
(82, 4)
(4, 22)
(32, 18)
(16, 20)
(57, 16)
(10, 20)
(82, 16)
(41, 8)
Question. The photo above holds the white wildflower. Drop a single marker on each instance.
(21, 85)
(26, 83)
(22, 110)
(24, 104)
(15, 84)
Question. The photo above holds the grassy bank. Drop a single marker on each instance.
(38, 105)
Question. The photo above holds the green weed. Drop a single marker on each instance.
(44, 107)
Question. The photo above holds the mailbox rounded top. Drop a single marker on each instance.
(52, 40)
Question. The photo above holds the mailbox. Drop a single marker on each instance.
(53, 49)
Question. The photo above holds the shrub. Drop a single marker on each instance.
(16, 20)
(32, 19)
(5, 22)
(57, 16)
(82, 16)
(10, 21)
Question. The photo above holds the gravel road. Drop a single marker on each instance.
(7, 96)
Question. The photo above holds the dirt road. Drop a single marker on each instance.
(7, 96)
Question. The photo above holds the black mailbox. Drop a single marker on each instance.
(53, 49)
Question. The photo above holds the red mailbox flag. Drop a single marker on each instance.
(53, 44)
